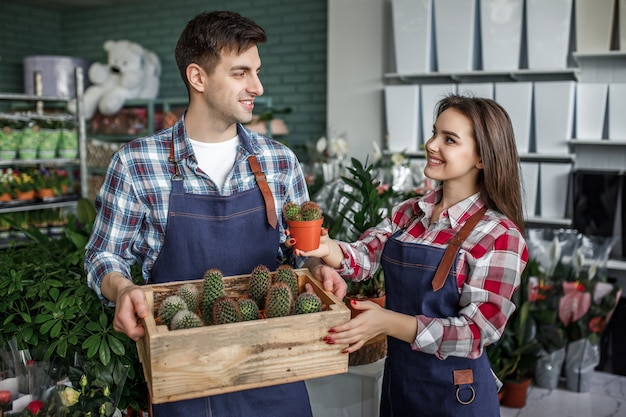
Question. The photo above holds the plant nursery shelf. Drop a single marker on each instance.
(17, 206)
(485, 76)
(47, 162)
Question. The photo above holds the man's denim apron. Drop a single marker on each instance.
(230, 233)
(416, 383)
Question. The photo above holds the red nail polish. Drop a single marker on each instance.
(330, 341)
(332, 331)
(345, 351)
(292, 241)
(353, 302)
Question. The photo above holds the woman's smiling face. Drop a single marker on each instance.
(451, 151)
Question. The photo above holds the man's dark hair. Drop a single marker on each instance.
(209, 34)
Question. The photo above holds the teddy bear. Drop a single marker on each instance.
(131, 72)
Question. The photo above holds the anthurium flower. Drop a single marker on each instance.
(574, 304)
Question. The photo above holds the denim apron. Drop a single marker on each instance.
(230, 233)
(417, 383)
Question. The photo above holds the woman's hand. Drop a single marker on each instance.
(365, 326)
(371, 322)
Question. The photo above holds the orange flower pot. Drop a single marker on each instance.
(45, 193)
(25, 195)
(307, 233)
(5, 197)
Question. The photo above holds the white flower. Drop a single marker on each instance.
(378, 154)
(397, 159)
(321, 144)
(337, 147)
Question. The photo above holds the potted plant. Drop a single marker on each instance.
(24, 184)
(514, 357)
(48, 308)
(304, 223)
(364, 203)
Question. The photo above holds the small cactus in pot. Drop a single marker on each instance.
(304, 222)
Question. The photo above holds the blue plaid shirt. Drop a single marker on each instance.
(132, 204)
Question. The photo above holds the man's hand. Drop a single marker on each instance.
(130, 304)
(328, 276)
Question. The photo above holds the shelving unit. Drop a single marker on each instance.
(39, 103)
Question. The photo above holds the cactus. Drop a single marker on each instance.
(291, 211)
(190, 293)
(249, 309)
(286, 274)
(260, 281)
(226, 310)
(279, 301)
(213, 288)
(310, 211)
(185, 319)
(169, 307)
(308, 303)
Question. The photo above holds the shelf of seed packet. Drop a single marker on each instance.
(39, 135)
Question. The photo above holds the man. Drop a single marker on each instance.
(205, 193)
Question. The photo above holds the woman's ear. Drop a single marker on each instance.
(479, 164)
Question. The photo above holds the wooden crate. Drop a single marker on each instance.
(210, 360)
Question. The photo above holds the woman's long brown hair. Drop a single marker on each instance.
(499, 181)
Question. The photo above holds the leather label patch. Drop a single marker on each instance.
(463, 376)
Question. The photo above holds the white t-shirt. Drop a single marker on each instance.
(216, 159)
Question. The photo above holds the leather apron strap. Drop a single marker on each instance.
(261, 181)
(453, 248)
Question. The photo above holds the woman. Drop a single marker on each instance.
(452, 260)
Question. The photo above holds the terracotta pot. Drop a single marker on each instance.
(45, 193)
(5, 197)
(307, 233)
(25, 195)
(354, 312)
(515, 393)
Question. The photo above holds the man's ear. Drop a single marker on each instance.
(196, 77)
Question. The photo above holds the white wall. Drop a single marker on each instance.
(356, 35)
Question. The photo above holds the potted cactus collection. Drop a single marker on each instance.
(305, 223)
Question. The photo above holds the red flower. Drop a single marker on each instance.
(5, 397)
(35, 407)
(596, 324)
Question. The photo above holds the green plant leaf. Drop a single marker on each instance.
(104, 352)
(116, 345)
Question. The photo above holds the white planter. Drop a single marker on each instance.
(622, 25)
(617, 111)
(402, 114)
(516, 98)
(590, 110)
(594, 20)
(554, 181)
(455, 35)
(554, 116)
(431, 94)
(548, 25)
(530, 185)
(501, 34)
(484, 90)
(412, 30)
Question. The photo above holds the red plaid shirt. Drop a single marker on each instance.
(489, 268)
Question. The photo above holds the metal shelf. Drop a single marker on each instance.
(28, 162)
(38, 205)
